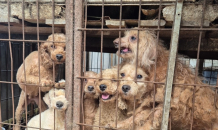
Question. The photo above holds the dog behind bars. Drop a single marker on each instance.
(107, 89)
(54, 117)
(91, 101)
(205, 112)
(42, 59)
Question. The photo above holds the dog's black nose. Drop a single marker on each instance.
(59, 56)
(102, 87)
(59, 104)
(125, 88)
(90, 88)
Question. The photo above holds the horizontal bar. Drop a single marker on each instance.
(16, 40)
(141, 29)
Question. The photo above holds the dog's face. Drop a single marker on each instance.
(89, 84)
(56, 99)
(107, 88)
(55, 51)
(128, 46)
(129, 89)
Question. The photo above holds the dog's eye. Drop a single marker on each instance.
(52, 46)
(133, 38)
(64, 48)
(122, 74)
(139, 76)
(85, 80)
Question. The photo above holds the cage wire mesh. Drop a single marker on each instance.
(99, 77)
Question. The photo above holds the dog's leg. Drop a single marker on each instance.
(34, 80)
(19, 110)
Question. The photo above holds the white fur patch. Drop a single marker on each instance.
(61, 81)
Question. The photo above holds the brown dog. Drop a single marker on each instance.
(182, 95)
(90, 101)
(107, 88)
(48, 54)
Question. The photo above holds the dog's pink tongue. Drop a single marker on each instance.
(105, 96)
(125, 50)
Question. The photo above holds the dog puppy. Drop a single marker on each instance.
(90, 101)
(132, 93)
(42, 59)
(107, 89)
(57, 103)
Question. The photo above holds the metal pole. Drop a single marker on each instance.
(78, 21)
(171, 63)
(69, 64)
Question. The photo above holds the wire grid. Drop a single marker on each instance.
(158, 29)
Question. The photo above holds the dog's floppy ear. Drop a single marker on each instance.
(47, 100)
(121, 103)
(43, 48)
(149, 54)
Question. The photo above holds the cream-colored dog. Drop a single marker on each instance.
(57, 103)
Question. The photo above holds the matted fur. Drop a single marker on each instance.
(182, 96)
(47, 55)
(90, 101)
(108, 107)
(53, 113)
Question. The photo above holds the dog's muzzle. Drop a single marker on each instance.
(59, 56)
(126, 88)
(90, 88)
(102, 87)
(59, 104)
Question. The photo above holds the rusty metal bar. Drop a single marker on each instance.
(23, 33)
(77, 62)
(141, 29)
(69, 65)
(16, 40)
(171, 63)
(197, 64)
(11, 56)
(118, 59)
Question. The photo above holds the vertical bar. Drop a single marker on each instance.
(77, 60)
(120, 18)
(11, 56)
(69, 66)
(23, 33)
(84, 63)
(39, 57)
(197, 64)
(171, 63)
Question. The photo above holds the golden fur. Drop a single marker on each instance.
(47, 56)
(205, 112)
(90, 101)
(108, 105)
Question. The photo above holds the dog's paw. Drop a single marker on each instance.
(47, 83)
(60, 85)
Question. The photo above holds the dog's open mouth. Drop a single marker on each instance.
(106, 96)
(124, 50)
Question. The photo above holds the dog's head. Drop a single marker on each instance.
(107, 88)
(54, 51)
(146, 49)
(89, 84)
(55, 99)
(130, 89)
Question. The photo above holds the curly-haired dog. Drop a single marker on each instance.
(57, 103)
(131, 91)
(107, 89)
(44, 58)
(90, 101)
(182, 95)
